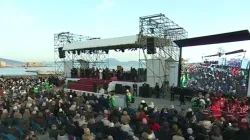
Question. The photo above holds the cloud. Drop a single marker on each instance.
(105, 5)
(15, 17)
(102, 16)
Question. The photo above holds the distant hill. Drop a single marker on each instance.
(115, 62)
(11, 62)
(112, 62)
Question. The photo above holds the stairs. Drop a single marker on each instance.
(86, 84)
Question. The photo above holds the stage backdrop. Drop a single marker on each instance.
(155, 71)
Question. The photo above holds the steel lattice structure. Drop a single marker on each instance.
(97, 59)
(164, 32)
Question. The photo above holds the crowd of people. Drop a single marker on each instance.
(214, 78)
(105, 74)
(38, 109)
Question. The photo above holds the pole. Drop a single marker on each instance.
(179, 67)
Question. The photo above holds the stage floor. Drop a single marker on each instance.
(112, 83)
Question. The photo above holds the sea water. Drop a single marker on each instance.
(18, 71)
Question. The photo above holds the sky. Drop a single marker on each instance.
(27, 26)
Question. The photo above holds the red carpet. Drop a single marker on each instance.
(86, 84)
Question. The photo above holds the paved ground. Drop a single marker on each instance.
(160, 103)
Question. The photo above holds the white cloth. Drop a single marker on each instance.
(100, 74)
(105, 122)
(62, 137)
(176, 137)
(101, 91)
(126, 128)
(72, 108)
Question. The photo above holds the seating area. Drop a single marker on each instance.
(86, 84)
(19, 129)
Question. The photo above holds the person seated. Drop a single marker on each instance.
(53, 133)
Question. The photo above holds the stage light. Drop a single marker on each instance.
(106, 51)
(69, 41)
(78, 52)
(152, 30)
(74, 52)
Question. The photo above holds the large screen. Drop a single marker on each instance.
(213, 77)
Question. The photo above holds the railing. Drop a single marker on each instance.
(120, 99)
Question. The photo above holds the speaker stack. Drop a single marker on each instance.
(151, 45)
(118, 89)
(145, 91)
(61, 52)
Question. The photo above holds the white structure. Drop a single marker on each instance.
(155, 72)
(67, 68)
(101, 43)
(173, 74)
(157, 69)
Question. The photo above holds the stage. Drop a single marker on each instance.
(124, 83)
(86, 84)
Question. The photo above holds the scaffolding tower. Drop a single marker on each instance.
(164, 31)
(73, 57)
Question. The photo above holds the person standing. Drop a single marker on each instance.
(35, 90)
(181, 98)
(135, 89)
(105, 87)
(100, 74)
(157, 90)
(112, 103)
(172, 93)
(95, 86)
(129, 98)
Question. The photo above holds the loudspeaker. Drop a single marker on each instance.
(61, 52)
(118, 88)
(148, 91)
(145, 91)
(127, 88)
(151, 45)
(141, 91)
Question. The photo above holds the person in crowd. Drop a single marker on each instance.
(157, 90)
(95, 86)
(112, 102)
(182, 97)
(106, 86)
(77, 115)
(129, 98)
(135, 89)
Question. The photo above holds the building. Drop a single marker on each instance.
(33, 64)
(2, 64)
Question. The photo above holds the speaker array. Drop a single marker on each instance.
(61, 52)
(145, 91)
(151, 45)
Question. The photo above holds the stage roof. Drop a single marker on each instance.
(125, 42)
(236, 36)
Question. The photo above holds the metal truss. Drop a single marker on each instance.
(164, 32)
(98, 59)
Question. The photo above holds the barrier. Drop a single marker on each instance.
(120, 99)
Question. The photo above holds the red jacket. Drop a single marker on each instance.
(155, 127)
(142, 116)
